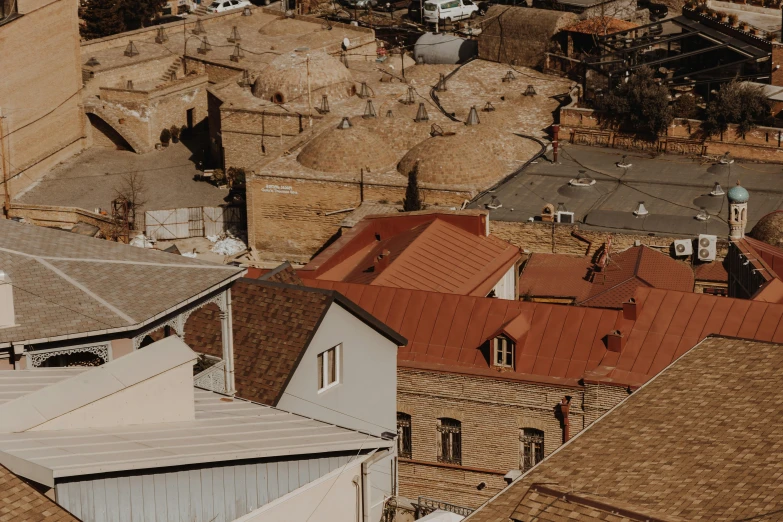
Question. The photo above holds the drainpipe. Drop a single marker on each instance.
(565, 404)
(555, 133)
(358, 483)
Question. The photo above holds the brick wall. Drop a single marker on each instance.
(39, 91)
(248, 137)
(61, 217)
(287, 217)
(492, 411)
(217, 73)
(598, 399)
(144, 72)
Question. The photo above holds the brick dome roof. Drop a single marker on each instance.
(459, 159)
(285, 78)
(769, 229)
(348, 150)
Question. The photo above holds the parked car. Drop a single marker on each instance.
(227, 5)
(449, 10)
(360, 4)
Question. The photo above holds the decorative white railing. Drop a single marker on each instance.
(214, 377)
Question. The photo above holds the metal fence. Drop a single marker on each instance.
(425, 506)
(180, 223)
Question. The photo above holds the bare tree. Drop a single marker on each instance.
(128, 197)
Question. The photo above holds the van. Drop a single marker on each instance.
(449, 10)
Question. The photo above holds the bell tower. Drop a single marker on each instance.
(738, 211)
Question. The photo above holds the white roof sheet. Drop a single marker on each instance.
(224, 429)
(15, 384)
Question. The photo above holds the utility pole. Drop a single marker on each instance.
(309, 97)
(7, 200)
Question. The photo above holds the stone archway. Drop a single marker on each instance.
(104, 135)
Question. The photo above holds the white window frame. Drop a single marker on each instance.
(496, 348)
(323, 365)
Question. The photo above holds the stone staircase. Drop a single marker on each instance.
(111, 116)
(201, 10)
(175, 67)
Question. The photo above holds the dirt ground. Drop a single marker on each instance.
(91, 179)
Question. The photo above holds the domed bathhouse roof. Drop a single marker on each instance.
(285, 78)
(453, 159)
(769, 229)
(348, 149)
(738, 194)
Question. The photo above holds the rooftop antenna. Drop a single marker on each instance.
(345, 123)
(473, 118)
(509, 77)
(369, 110)
(199, 29)
(324, 108)
(92, 62)
(237, 54)
(234, 37)
(247, 11)
(488, 107)
(421, 114)
(717, 190)
(364, 92)
(640, 210)
(205, 47)
(530, 91)
(161, 36)
(441, 87)
(410, 99)
(131, 49)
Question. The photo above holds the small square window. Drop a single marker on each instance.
(329, 368)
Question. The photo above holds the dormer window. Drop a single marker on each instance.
(503, 352)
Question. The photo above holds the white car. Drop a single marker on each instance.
(449, 10)
(222, 6)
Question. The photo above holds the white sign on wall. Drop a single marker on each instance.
(280, 189)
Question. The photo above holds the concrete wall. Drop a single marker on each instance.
(61, 217)
(39, 91)
(369, 362)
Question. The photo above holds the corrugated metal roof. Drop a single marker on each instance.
(556, 343)
(225, 429)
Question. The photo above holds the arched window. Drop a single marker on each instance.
(531, 448)
(404, 447)
(449, 441)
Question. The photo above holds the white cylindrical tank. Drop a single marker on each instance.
(434, 48)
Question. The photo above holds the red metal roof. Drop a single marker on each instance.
(556, 275)
(771, 256)
(556, 343)
(713, 271)
(448, 253)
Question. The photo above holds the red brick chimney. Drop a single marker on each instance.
(615, 341)
(631, 310)
(565, 405)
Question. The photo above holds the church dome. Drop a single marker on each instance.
(738, 194)
(453, 159)
(769, 229)
(285, 78)
(347, 150)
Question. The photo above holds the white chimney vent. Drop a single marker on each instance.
(6, 301)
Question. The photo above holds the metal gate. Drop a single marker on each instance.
(167, 224)
(180, 223)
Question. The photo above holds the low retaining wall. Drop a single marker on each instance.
(61, 217)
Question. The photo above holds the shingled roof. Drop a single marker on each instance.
(20, 502)
(273, 325)
(701, 441)
(66, 284)
(442, 252)
(556, 343)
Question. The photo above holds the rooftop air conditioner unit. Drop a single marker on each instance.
(707, 247)
(683, 247)
(565, 217)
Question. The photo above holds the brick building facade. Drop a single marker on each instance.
(40, 99)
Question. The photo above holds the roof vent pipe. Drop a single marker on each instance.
(473, 118)
(410, 99)
(7, 317)
(199, 29)
(369, 110)
(364, 91)
(237, 54)
(234, 37)
(345, 123)
(131, 50)
(717, 190)
(421, 115)
(161, 36)
(640, 210)
(441, 87)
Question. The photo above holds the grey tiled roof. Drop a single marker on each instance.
(67, 284)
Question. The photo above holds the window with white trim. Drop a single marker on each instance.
(329, 368)
(503, 352)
